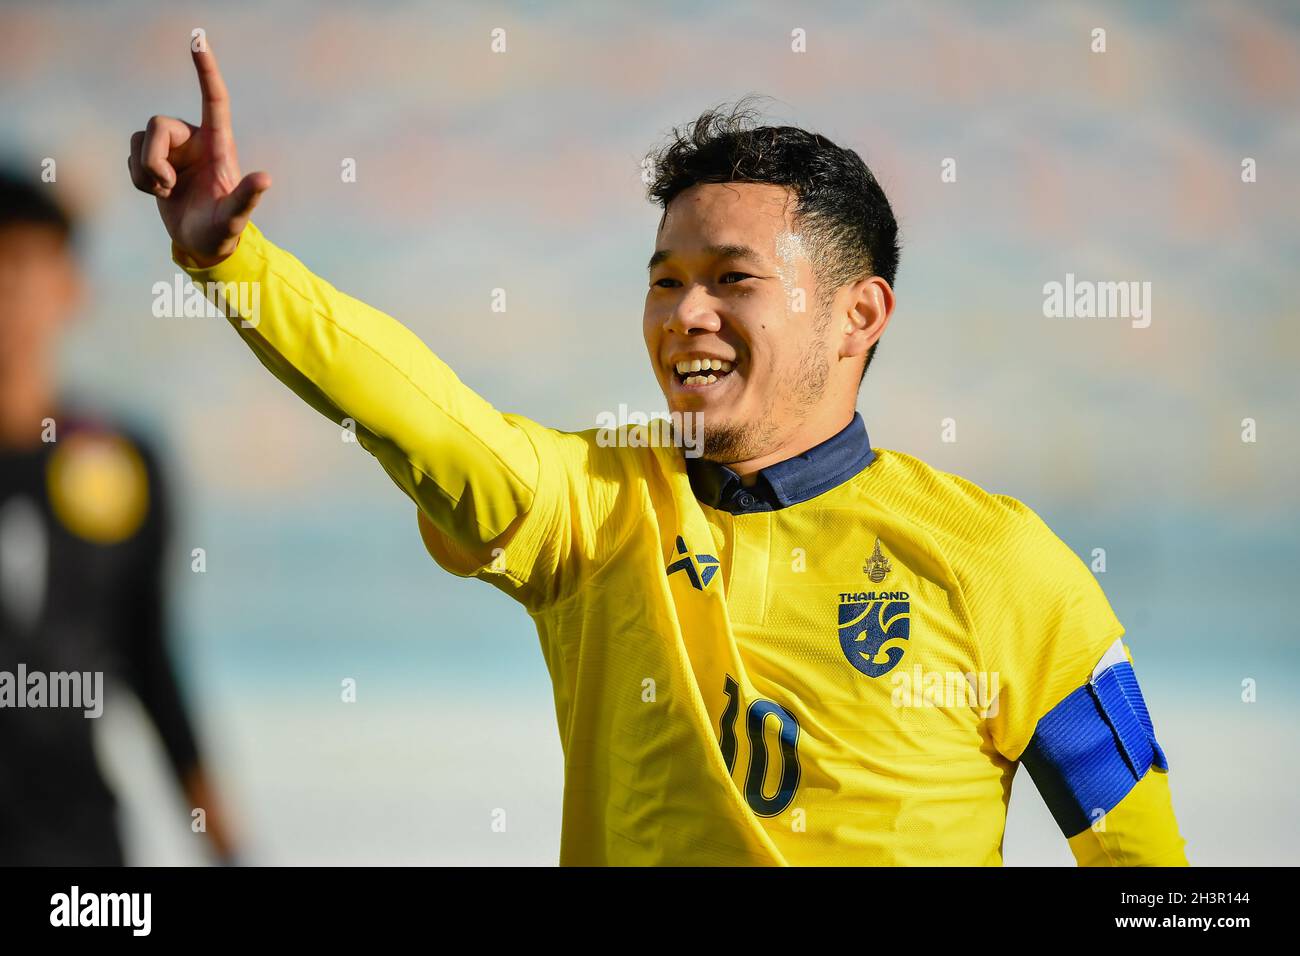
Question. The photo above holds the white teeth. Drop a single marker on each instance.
(700, 380)
(705, 365)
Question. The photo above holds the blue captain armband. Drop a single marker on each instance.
(1089, 750)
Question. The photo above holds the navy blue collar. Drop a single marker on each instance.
(788, 482)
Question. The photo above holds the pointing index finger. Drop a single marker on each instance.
(216, 102)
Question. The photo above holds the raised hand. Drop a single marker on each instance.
(194, 172)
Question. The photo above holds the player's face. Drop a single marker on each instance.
(37, 290)
(726, 278)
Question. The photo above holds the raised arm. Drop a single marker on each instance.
(490, 487)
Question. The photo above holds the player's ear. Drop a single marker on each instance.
(863, 310)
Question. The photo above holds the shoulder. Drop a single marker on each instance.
(600, 479)
(957, 512)
(617, 451)
(1007, 561)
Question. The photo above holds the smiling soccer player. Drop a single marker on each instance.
(795, 649)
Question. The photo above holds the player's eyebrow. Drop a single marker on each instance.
(724, 251)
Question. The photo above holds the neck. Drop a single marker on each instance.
(27, 395)
(809, 435)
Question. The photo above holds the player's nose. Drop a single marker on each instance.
(693, 314)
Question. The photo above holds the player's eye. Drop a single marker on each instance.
(727, 278)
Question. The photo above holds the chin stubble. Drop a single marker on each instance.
(806, 384)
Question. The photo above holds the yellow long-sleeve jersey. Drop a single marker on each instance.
(842, 663)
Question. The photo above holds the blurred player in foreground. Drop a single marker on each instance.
(795, 649)
(83, 529)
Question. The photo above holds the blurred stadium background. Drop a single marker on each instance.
(521, 170)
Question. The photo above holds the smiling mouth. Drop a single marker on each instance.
(702, 373)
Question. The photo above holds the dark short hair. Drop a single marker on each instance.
(840, 209)
(23, 201)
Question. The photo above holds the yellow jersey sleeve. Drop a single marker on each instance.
(1047, 631)
(1141, 830)
(495, 491)
(1042, 623)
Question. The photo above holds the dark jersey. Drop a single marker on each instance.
(83, 524)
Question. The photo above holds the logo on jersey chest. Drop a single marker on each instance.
(698, 568)
(875, 629)
(877, 565)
